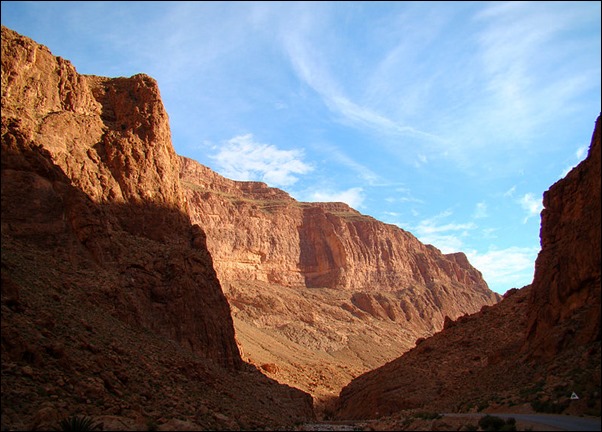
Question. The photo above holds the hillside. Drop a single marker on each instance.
(529, 352)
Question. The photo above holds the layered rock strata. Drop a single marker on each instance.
(255, 232)
(318, 290)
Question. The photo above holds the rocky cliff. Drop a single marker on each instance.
(261, 233)
(111, 140)
(565, 301)
(110, 302)
(333, 292)
(529, 352)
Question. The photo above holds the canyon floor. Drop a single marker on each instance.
(305, 338)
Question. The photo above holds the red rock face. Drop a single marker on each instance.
(260, 233)
(564, 307)
(88, 170)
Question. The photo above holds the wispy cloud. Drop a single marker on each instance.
(404, 196)
(503, 269)
(243, 158)
(480, 211)
(510, 192)
(446, 236)
(533, 206)
(336, 154)
(353, 197)
(523, 77)
(311, 64)
(579, 156)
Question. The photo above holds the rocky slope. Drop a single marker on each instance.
(110, 302)
(529, 352)
(320, 292)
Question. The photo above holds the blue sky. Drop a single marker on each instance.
(448, 119)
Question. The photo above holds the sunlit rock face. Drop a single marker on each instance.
(255, 232)
(111, 306)
(319, 289)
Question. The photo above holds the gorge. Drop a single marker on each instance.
(145, 290)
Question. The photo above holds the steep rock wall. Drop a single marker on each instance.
(255, 232)
(534, 348)
(89, 171)
(564, 307)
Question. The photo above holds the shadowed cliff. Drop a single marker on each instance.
(111, 306)
(529, 352)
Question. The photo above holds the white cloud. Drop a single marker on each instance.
(447, 237)
(353, 197)
(503, 269)
(580, 154)
(480, 211)
(404, 196)
(339, 156)
(242, 158)
(531, 205)
(311, 65)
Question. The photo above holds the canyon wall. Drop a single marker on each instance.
(255, 232)
(319, 292)
(111, 306)
(111, 139)
(532, 350)
(565, 301)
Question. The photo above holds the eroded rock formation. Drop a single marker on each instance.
(107, 144)
(110, 302)
(374, 288)
(260, 233)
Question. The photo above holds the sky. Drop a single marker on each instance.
(447, 119)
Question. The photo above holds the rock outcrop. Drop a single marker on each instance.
(374, 288)
(110, 174)
(532, 350)
(455, 370)
(565, 301)
(110, 302)
(261, 233)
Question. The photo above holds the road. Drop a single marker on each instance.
(558, 422)
(548, 422)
